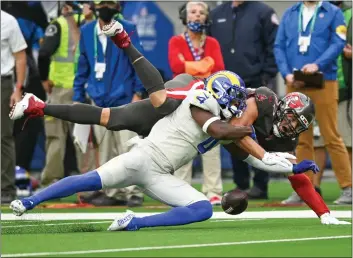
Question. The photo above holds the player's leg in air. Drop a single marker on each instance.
(145, 113)
(132, 168)
(148, 74)
(115, 119)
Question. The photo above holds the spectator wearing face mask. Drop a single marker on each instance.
(105, 74)
(192, 51)
(199, 55)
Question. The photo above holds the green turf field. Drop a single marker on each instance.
(81, 232)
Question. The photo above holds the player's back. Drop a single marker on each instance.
(178, 137)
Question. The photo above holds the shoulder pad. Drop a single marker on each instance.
(203, 99)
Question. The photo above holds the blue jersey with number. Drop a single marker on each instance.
(177, 137)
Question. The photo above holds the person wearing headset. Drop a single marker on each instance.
(199, 55)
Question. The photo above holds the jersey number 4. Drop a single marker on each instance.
(202, 99)
(207, 145)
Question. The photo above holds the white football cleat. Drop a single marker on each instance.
(17, 207)
(328, 219)
(30, 105)
(113, 28)
(121, 222)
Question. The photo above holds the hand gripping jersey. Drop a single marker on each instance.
(178, 137)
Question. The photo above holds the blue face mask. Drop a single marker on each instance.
(195, 26)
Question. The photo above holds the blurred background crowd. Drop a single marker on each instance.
(41, 44)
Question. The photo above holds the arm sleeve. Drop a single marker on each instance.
(217, 57)
(338, 31)
(82, 73)
(174, 49)
(16, 40)
(270, 27)
(51, 43)
(279, 48)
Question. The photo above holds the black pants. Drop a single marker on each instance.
(26, 135)
(26, 140)
(241, 176)
(7, 142)
(241, 171)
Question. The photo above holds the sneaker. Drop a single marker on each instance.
(215, 200)
(21, 206)
(256, 193)
(116, 32)
(328, 219)
(122, 222)
(346, 196)
(293, 199)
(29, 105)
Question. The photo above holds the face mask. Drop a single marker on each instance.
(106, 13)
(195, 26)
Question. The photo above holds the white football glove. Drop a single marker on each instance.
(278, 158)
(328, 219)
(113, 28)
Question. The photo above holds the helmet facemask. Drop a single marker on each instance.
(287, 123)
(231, 98)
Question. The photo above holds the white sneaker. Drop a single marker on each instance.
(346, 196)
(113, 28)
(121, 222)
(328, 219)
(293, 199)
(17, 207)
(30, 105)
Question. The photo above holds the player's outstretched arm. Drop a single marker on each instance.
(219, 130)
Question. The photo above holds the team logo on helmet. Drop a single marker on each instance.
(293, 101)
(229, 91)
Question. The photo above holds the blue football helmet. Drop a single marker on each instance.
(229, 91)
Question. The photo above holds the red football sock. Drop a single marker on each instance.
(304, 188)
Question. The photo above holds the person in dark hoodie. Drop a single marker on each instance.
(246, 32)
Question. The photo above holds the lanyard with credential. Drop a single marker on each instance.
(95, 46)
(192, 49)
(300, 20)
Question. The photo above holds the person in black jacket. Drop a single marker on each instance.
(246, 32)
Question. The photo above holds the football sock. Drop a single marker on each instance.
(196, 212)
(76, 113)
(67, 186)
(304, 188)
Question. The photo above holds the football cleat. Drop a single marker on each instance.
(121, 222)
(116, 32)
(29, 105)
(328, 219)
(19, 207)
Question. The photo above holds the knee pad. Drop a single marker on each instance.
(202, 209)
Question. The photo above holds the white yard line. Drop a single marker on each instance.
(173, 246)
(295, 214)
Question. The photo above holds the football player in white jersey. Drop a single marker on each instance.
(174, 140)
(193, 111)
